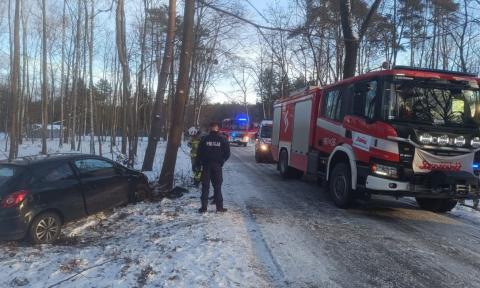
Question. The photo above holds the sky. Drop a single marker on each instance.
(105, 28)
(227, 85)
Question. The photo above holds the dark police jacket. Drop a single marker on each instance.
(213, 148)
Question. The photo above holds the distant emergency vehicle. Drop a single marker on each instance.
(400, 132)
(238, 130)
(263, 141)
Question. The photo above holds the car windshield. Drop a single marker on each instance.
(266, 131)
(433, 102)
(7, 172)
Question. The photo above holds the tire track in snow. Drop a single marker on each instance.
(263, 253)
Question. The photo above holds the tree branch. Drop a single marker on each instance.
(231, 14)
(80, 272)
(368, 19)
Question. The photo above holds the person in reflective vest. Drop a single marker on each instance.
(193, 144)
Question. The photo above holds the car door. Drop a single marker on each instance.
(103, 185)
(56, 186)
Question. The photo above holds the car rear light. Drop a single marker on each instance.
(14, 199)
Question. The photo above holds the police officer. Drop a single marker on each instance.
(213, 151)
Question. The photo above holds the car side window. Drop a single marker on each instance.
(62, 172)
(94, 168)
(333, 105)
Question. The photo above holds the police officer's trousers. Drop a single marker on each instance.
(212, 172)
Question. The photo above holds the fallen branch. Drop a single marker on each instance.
(80, 272)
(474, 207)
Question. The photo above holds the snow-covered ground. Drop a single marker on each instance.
(276, 233)
(163, 244)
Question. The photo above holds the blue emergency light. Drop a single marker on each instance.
(242, 119)
(476, 166)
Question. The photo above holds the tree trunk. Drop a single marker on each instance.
(122, 57)
(75, 77)
(63, 91)
(15, 75)
(44, 80)
(350, 38)
(90, 71)
(175, 133)
(157, 113)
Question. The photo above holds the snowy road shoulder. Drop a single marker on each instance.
(163, 244)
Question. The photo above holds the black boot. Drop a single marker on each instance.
(202, 210)
(222, 210)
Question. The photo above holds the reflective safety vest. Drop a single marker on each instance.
(193, 144)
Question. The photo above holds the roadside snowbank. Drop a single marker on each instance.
(163, 244)
(467, 213)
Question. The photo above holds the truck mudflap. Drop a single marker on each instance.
(436, 184)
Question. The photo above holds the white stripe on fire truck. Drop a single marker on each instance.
(386, 145)
(334, 128)
(380, 144)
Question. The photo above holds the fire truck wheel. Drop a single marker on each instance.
(436, 205)
(340, 185)
(258, 159)
(285, 171)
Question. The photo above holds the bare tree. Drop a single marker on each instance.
(44, 79)
(15, 75)
(178, 109)
(351, 38)
(63, 91)
(242, 83)
(122, 57)
(90, 72)
(157, 113)
(76, 68)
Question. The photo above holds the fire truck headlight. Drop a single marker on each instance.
(246, 138)
(443, 140)
(385, 170)
(475, 142)
(264, 147)
(426, 138)
(459, 141)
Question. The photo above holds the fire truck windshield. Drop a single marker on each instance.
(235, 124)
(266, 131)
(432, 102)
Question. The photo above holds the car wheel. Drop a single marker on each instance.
(340, 185)
(436, 205)
(45, 228)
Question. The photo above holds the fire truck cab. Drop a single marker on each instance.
(238, 130)
(399, 132)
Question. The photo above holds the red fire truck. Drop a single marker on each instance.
(400, 132)
(238, 130)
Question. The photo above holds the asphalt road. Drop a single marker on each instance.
(302, 240)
